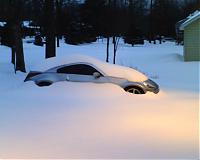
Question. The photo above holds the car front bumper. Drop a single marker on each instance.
(156, 90)
(151, 86)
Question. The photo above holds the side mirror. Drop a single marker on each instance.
(96, 75)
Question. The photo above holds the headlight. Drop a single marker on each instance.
(148, 84)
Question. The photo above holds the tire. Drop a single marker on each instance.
(44, 83)
(134, 90)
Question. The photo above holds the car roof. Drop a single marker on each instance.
(107, 68)
(76, 63)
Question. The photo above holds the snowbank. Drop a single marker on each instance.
(86, 120)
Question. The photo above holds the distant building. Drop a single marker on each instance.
(191, 28)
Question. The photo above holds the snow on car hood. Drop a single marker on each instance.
(108, 69)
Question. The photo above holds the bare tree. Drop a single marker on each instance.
(115, 46)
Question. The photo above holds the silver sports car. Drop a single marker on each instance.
(86, 69)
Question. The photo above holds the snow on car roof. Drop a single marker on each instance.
(108, 69)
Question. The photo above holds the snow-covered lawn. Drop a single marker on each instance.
(86, 120)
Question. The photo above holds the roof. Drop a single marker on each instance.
(191, 18)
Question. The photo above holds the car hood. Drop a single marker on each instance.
(122, 72)
(106, 68)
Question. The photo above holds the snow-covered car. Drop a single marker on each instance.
(81, 68)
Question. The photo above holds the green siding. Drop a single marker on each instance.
(192, 41)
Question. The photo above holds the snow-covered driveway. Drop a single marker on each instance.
(86, 120)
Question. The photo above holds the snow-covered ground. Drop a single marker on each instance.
(86, 120)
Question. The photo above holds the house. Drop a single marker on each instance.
(191, 28)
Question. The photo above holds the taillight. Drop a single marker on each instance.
(31, 74)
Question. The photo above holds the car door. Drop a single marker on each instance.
(81, 73)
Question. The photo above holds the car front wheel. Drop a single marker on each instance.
(134, 90)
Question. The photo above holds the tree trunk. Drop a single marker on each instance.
(57, 41)
(50, 46)
(160, 39)
(20, 64)
(50, 29)
(107, 51)
(58, 19)
(13, 55)
(14, 20)
(154, 41)
(115, 49)
(150, 22)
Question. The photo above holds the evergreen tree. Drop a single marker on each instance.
(189, 6)
(135, 22)
(165, 13)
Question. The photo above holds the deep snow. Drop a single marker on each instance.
(86, 120)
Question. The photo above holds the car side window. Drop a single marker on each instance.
(81, 69)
